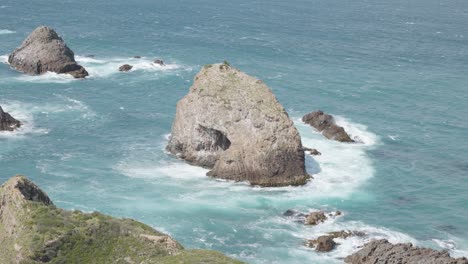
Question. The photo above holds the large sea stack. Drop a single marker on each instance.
(7, 122)
(42, 51)
(232, 124)
(33, 230)
(384, 252)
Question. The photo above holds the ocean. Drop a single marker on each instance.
(394, 73)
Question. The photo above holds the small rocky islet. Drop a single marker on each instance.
(212, 121)
(232, 124)
(45, 51)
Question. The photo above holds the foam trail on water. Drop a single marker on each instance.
(6, 31)
(107, 66)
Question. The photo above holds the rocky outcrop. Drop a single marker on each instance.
(325, 123)
(159, 62)
(327, 242)
(382, 251)
(323, 244)
(33, 230)
(311, 151)
(125, 67)
(315, 218)
(7, 122)
(232, 124)
(42, 51)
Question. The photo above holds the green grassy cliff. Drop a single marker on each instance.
(33, 230)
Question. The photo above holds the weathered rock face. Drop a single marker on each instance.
(7, 122)
(42, 51)
(325, 123)
(33, 230)
(382, 251)
(125, 67)
(232, 123)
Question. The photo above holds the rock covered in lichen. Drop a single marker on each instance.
(33, 230)
(7, 122)
(384, 252)
(232, 124)
(44, 51)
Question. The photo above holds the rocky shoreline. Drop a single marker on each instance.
(229, 122)
(34, 230)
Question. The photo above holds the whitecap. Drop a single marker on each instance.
(108, 66)
(4, 59)
(48, 77)
(24, 114)
(6, 31)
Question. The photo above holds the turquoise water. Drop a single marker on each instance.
(393, 72)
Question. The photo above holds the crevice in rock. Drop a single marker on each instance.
(213, 139)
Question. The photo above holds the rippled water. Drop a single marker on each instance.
(393, 72)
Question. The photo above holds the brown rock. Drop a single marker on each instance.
(159, 62)
(44, 51)
(325, 123)
(7, 122)
(312, 151)
(323, 244)
(315, 218)
(125, 67)
(383, 252)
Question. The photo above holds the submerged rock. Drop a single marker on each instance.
(125, 67)
(7, 122)
(42, 51)
(382, 251)
(33, 230)
(325, 123)
(312, 151)
(232, 123)
(323, 244)
(159, 62)
(137, 57)
(327, 243)
(315, 218)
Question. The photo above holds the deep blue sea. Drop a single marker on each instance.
(393, 72)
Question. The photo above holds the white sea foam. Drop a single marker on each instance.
(25, 115)
(4, 59)
(107, 66)
(6, 31)
(48, 77)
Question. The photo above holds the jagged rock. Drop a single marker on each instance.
(323, 244)
(325, 123)
(159, 62)
(33, 230)
(315, 218)
(42, 51)
(383, 252)
(327, 243)
(312, 151)
(232, 123)
(7, 122)
(345, 234)
(125, 67)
